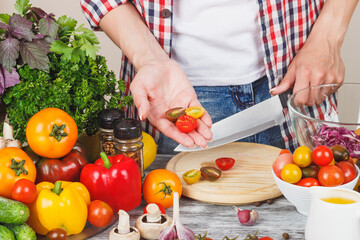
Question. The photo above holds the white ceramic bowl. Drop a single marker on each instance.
(300, 196)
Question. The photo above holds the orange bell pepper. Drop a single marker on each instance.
(63, 205)
(14, 165)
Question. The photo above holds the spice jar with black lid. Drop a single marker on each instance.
(128, 136)
(106, 134)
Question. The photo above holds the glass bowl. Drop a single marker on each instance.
(339, 123)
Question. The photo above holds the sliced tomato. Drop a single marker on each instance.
(192, 176)
(195, 112)
(174, 113)
(225, 163)
(186, 123)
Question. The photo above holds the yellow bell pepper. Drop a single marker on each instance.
(63, 205)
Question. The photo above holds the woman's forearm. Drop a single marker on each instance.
(126, 29)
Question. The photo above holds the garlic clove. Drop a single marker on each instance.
(13, 143)
(247, 217)
(2, 142)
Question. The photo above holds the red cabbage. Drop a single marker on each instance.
(330, 136)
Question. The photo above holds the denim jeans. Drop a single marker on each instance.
(223, 101)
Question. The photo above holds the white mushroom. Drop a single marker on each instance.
(124, 231)
(152, 223)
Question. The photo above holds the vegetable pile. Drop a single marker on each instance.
(57, 64)
(331, 136)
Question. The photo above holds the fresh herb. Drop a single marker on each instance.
(58, 66)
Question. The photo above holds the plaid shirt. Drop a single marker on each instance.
(285, 25)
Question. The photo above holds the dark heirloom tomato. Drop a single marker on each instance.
(186, 123)
(210, 173)
(348, 169)
(174, 113)
(340, 153)
(225, 163)
(56, 234)
(308, 182)
(310, 171)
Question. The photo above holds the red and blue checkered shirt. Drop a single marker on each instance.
(285, 25)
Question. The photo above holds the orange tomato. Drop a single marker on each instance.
(51, 133)
(159, 185)
(15, 164)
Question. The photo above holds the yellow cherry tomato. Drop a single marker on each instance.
(192, 176)
(195, 112)
(291, 173)
(302, 156)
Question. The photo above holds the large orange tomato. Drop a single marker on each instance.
(159, 186)
(15, 164)
(51, 133)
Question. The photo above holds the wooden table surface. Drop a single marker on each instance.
(221, 220)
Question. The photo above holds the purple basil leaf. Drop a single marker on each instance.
(4, 26)
(38, 12)
(48, 26)
(8, 79)
(21, 27)
(9, 52)
(35, 55)
(44, 44)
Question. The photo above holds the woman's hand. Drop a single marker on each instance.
(161, 85)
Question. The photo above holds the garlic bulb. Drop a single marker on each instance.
(246, 217)
(176, 230)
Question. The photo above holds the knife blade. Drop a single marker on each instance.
(250, 121)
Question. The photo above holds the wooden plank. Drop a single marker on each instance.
(250, 180)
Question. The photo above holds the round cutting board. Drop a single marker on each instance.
(248, 181)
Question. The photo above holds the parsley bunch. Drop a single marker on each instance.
(75, 78)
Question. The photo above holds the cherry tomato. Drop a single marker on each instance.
(302, 156)
(191, 176)
(210, 173)
(308, 182)
(24, 191)
(195, 112)
(159, 185)
(310, 171)
(186, 123)
(162, 209)
(330, 176)
(291, 173)
(284, 151)
(225, 163)
(265, 238)
(348, 169)
(99, 213)
(280, 162)
(322, 155)
(174, 113)
(340, 153)
(56, 234)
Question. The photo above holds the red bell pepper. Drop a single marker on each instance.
(65, 169)
(115, 180)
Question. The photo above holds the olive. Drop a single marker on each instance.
(174, 113)
(210, 173)
(340, 153)
(310, 171)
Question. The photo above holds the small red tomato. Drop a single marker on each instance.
(322, 155)
(186, 123)
(284, 151)
(56, 234)
(162, 209)
(99, 213)
(225, 163)
(24, 191)
(348, 169)
(330, 176)
(308, 182)
(265, 238)
(280, 162)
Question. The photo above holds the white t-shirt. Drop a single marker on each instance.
(216, 42)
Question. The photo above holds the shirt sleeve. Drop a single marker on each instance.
(95, 10)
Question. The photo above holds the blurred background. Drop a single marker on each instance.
(350, 49)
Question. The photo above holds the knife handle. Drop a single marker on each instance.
(284, 97)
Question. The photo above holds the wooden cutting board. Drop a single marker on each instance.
(248, 181)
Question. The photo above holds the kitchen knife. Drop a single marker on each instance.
(250, 121)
